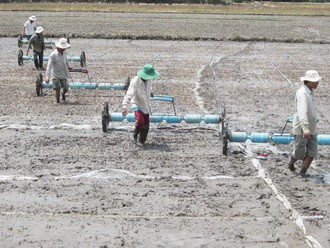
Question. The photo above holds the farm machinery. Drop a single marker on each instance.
(81, 58)
(24, 41)
(49, 44)
(227, 134)
(174, 118)
(276, 138)
(40, 84)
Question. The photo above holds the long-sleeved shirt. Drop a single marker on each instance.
(138, 94)
(37, 42)
(57, 66)
(305, 117)
(29, 27)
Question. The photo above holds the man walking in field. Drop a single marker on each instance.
(138, 94)
(29, 27)
(37, 41)
(58, 69)
(304, 123)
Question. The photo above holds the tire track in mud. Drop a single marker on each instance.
(310, 240)
(168, 66)
(215, 82)
(291, 82)
(326, 65)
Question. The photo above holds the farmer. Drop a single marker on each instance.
(37, 41)
(304, 123)
(138, 94)
(58, 69)
(29, 27)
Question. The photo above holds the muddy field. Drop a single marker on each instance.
(65, 183)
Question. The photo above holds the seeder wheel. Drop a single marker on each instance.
(39, 84)
(105, 117)
(82, 59)
(225, 138)
(20, 57)
(19, 41)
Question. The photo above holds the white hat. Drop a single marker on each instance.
(39, 30)
(32, 18)
(62, 43)
(311, 76)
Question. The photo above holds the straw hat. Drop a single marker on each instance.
(311, 76)
(148, 72)
(39, 30)
(32, 18)
(62, 43)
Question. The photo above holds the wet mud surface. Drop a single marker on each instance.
(65, 183)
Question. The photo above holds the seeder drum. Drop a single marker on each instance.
(81, 58)
(22, 40)
(108, 117)
(40, 85)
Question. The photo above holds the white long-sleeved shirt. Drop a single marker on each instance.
(305, 117)
(57, 66)
(29, 27)
(138, 94)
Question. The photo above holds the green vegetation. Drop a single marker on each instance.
(271, 8)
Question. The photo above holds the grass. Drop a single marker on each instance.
(268, 8)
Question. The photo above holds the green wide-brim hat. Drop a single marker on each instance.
(148, 72)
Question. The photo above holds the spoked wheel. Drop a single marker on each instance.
(82, 59)
(20, 57)
(19, 41)
(39, 84)
(105, 117)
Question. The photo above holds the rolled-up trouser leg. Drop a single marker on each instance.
(143, 134)
(141, 125)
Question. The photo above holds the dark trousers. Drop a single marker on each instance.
(38, 59)
(28, 37)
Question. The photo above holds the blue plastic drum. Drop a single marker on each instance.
(156, 118)
(282, 138)
(46, 86)
(130, 117)
(238, 137)
(89, 86)
(172, 118)
(323, 139)
(212, 119)
(192, 118)
(116, 117)
(259, 137)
